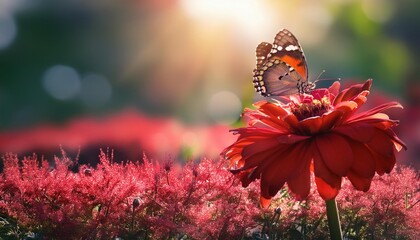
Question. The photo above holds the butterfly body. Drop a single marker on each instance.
(281, 68)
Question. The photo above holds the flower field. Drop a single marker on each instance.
(199, 200)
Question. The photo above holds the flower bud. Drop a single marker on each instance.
(136, 202)
(88, 172)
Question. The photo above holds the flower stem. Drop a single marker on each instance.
(333, 220)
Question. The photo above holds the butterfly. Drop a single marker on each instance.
(281, 68)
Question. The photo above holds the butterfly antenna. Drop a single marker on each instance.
(328, 79)
(325, 79)
(319, 75)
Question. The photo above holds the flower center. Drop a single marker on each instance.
(310, 109)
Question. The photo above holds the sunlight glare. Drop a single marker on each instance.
(247, 15)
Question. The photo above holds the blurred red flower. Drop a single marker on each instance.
(129, 133)
(321, 132)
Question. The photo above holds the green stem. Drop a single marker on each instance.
(333, 220)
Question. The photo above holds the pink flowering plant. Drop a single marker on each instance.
(163, 200)
(147, 200)
(389, 211)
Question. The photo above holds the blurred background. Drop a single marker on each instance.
(170, 77)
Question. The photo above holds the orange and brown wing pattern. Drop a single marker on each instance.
(287, 48)
(281, 67)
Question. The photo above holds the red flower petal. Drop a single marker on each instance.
(291, 138)
(244, 177)
(375, 112)
(383, 164)
(398, 143)
(292, 121)
(253, 133)
(271, 109)
(377, 109)
(326, 191)
(381, 144)
(378, 120)
(347, 108)
(265, 202)
(289, 163)
(361, 132)
(319, 93)
(300, 183)
(268, 114)
(267, 160)
(361, 98)
(335, 152)
(382, 149)
(330, 120)
(334, 88)
(262, 145)
(353, 91)
(310, 126)
(322, 171)
(363, 162)
(360, 183)
(261, 158)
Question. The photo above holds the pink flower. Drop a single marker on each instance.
(321, 132)
(129, 133)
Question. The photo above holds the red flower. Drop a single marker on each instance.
(321, 132)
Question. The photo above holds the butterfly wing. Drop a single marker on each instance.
(281, 70)
(280, 80)
(290, 52)
(262, 51)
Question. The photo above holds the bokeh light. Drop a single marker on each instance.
(379, 10)
(61, 82)
(95, 90)
(8, 31)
